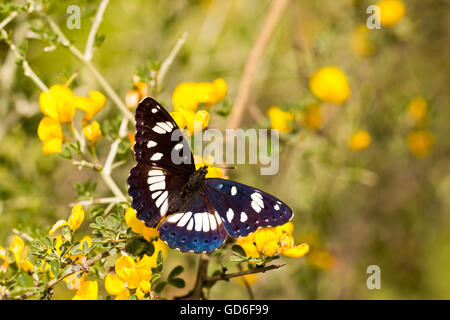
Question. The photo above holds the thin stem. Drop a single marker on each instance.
(106, 86)
(88, 51)
(247, 286)
(28, 72)
(170, 58)
(109, 200)
(273, 16)
(115, 146)
(113, 186)
(8, 19)
(243, 273)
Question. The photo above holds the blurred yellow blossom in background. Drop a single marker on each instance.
(279, 119)
(311, 117)
(17, 248)
(92, 132)
(391, 12)
(188, 95)
(361, 44)
(417, 108)
(58, 103)
(420, 143)
(359, 140)
(330, 84)
(88, 291)
(320, 259)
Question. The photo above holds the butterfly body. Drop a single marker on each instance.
(197, 212)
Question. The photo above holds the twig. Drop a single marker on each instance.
(8, 19)
(26, 67)
(273, 16)
(123, 131)
(247, 286)
(88, 202)
(112, 186)
(170, 58)
(106, 86)
(243, 273)
(22, 234)
(88, 52)
(196, 292)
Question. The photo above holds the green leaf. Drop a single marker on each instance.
(237, 259)
(238, 250)
(160, 287)
(176, 271)
(24, 280)
(177, 282)
(54, 267)
(155, 278)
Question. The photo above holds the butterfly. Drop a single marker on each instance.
(198, 212)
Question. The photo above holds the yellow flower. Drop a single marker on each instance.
(160, 246)
(179, 119)
(91, 105)
(50, 133)
(76, 217)
(58, 103)
(359, 140)
(4, 265)
(17, 247)
(273, 241)
(114, 285)
(79, 257)
(132, 99)
(360, 43)
(330, 84)
(88, 291)
(280, 119)
(184, 97)
(312, 117)
(391, 12)
(417, 108)
(138, 226)
(132, 138)
(420, 143)
(213, 172)
(141, 86)
(188, 95)
(92, 132)
(58, 225)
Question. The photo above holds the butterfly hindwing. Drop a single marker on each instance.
(244, 209)
(197, 227)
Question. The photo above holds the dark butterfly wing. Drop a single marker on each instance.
(156, 180)
(157, 136)
(197, 227)
(244, 209)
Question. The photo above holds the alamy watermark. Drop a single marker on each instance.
(374, 280)
(373, 21)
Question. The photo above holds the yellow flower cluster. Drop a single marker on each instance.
(330, 84)
(391, 12)
(134, 96)
(311, 117)
(273, 241)
(186, 99)
(130, 274)
(88, 291)
(17, 247)
(417, 108)
(58, 106)
(360, 140)
(138, 226)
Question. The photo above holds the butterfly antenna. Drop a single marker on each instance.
(225, 166)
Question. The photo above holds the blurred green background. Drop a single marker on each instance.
(378, 206)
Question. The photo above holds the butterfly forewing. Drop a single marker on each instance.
(244, 209)
(156, 180)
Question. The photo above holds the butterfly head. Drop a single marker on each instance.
(197, 178)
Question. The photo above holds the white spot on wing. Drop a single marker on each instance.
(198, 217)
(157, 156)
(257, 197)
(178, 146)
(154, 110)
(155, 179)
(256, 207)
(155, 173)
(212, 221)
(175, 217)
(205, 222)
(158, 129)
(233, 190)
(277, 207)
(164, 207)
(151, 144)
(161, 198)
(243, 217)
(230, 215)
(190, 225)
(158, 186)
(184, 220)
(156, 194)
